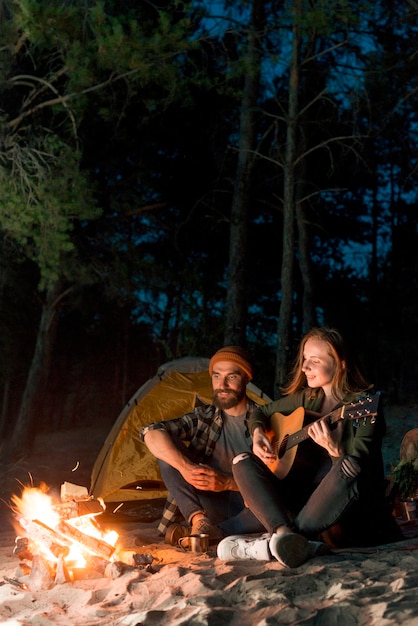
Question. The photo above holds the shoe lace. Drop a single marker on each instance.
(202, 526)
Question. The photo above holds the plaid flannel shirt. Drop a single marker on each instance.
(202, 429)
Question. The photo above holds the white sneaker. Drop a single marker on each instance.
(290, 549)
(244, 547)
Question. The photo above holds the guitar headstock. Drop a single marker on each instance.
(363, 408)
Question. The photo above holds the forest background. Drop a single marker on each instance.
(177, 176)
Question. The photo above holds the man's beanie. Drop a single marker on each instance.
(237, 355)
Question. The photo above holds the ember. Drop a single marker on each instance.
(61, 538)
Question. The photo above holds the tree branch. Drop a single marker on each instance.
(60, 99)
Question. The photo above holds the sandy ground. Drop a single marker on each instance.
(378, 586)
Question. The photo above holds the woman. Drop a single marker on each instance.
(329, 487)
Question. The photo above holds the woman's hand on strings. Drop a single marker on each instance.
(327, 438)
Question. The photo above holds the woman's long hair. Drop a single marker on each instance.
(347, 376)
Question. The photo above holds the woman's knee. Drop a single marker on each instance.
(240, 464)
(246, 464)
(350, 467)
(247, 467)
(241, 457)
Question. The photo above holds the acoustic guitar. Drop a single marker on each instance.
(287, 431)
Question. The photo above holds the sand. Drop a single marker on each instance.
(377, 586)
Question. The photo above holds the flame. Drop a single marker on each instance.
(35, 505)
(88, 526)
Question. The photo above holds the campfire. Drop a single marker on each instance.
(63, 541)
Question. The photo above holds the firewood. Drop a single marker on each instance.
(96, 563)
(22, 549)
(85, 573)
(66, 533)
(69, 491)
(67, 510)
(91, 544)
(16, 583)
(142, 559)
(46, 536)
(117, 569)
(23, 569)
(41, 575)
(61, 573)
(89, 507)
(72, 509)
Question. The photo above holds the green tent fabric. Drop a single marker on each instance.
(124, 469)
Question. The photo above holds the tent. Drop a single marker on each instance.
(124, 469)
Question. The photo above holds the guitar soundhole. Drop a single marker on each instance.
(282, 447)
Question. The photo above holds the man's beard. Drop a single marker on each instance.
(227, 403)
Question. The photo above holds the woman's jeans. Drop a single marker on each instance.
(224, 509)
(273, 501)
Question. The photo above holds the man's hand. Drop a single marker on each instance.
(206, 478)
(327, 438)
(201, 477)
(262, 446)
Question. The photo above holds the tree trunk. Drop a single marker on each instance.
(27, 420)
(236, 300)
(308, 307)
(4, 408)
(286, 305)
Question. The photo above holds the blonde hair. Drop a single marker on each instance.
(347, 376)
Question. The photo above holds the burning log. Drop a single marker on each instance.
(89, 507)
(91, 544)
(73, 493)
(76, 502)
(70, 510)
(64, 541)
(58, 540)
(22, 549)
(23, 569)
(46, 536)
(62, 574)
(41, 575)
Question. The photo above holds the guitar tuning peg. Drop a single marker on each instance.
(373, 420)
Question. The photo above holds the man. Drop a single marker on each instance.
(199, 477)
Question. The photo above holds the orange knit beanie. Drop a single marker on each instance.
(237, 355)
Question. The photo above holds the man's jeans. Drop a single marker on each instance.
(225, 509)
(268, 497)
